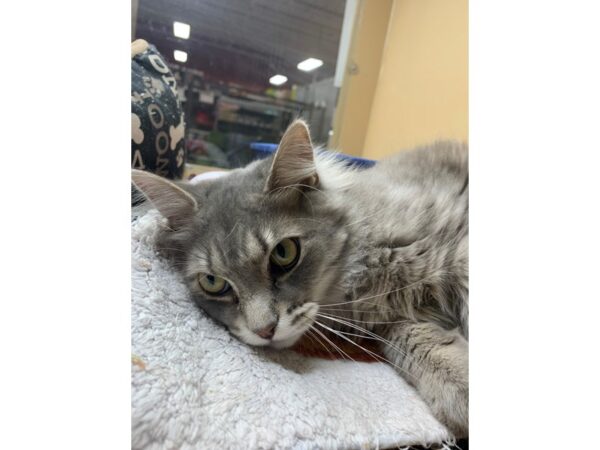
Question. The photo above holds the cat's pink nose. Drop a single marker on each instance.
(267, 332)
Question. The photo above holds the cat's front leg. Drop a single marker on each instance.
(436, 362)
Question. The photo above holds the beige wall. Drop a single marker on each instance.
(422, 90)
(358, 89)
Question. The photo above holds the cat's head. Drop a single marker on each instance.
(259, 247)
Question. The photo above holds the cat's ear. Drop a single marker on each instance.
(172, 202)
(294, 162)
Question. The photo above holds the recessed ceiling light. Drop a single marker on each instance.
(181, 30)
(180, 56)
(310, 64)
(277, 79)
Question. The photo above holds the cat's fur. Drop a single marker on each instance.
(383, 253)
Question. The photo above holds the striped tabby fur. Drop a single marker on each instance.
(383, 255)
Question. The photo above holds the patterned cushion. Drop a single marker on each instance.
(157, 120)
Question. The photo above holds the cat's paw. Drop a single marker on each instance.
(438, 366)
(445, 386)
(449, 402)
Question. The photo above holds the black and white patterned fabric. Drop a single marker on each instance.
(157, 121)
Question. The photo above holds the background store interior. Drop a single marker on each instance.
(385, 75)
(238, 68)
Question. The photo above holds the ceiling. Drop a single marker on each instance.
(247, 41)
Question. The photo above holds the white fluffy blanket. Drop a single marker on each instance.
(194, 386)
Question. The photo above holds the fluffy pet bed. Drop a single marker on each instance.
(195, 386)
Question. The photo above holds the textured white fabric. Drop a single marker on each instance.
(207, 176)
(194, 386)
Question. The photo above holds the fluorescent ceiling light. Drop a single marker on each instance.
(180, 56)
(181, 30)
(277, 79)
(310, 64)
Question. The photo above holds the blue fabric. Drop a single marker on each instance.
(262, 150)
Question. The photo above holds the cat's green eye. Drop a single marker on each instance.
(212, 284)
(286, 253)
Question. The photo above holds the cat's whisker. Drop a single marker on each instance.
(378, 307)
(310, 333)
(174, 249)
(232, 229)
(375, 355)
(313, 220)
(311, 329)
(365, 321)
(311, 187)
(354, 310)
(338, 349)
(365, 218)
(369, 333)
(358, 328)
(347, 333)
(382, 293)
(299, 185)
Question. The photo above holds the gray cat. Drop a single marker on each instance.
(300, 243)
